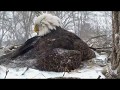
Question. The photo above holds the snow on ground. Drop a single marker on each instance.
(101, 59)
(89, 72)
(86, 73)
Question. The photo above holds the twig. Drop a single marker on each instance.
(43, 75)
(99, 77)
(6, 74)
(38, 74)
(63, 74)
(25, 71)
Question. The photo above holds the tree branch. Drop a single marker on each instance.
(103, 49)
(95, 37)
(6, 74)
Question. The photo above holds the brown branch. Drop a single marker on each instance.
(95, 37)
(100, 48)
(43, 75)
(6, 74)
(103, 49)
(99, 77)
(25, 71)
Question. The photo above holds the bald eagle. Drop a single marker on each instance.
(54, 48)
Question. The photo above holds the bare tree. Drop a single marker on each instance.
(21, 27)
(27, 20)
(115, 59)
(5, 25)
(116, 38)
(17, 27)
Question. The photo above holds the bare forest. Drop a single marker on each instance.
(93, 27)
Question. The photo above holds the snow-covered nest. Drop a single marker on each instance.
(87, 72)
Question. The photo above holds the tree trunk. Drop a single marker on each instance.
(116, 41)
(115, 35)
(110, 71)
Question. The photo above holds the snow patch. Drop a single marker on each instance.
(100, 59)
(17, 73)
(84, 73)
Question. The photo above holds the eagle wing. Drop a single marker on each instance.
(28, 45)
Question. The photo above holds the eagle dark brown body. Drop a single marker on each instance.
(59, 51)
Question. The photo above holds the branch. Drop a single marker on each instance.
(100, 48)
(103, 49)
(99, 77)
(95, 37)
(6, 74)
(25, 71)
(38, 74)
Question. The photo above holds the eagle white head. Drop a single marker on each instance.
(45, 23)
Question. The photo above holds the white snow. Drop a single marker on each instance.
(101, 59)
(89, 72)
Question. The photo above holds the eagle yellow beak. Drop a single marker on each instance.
(36, 28)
